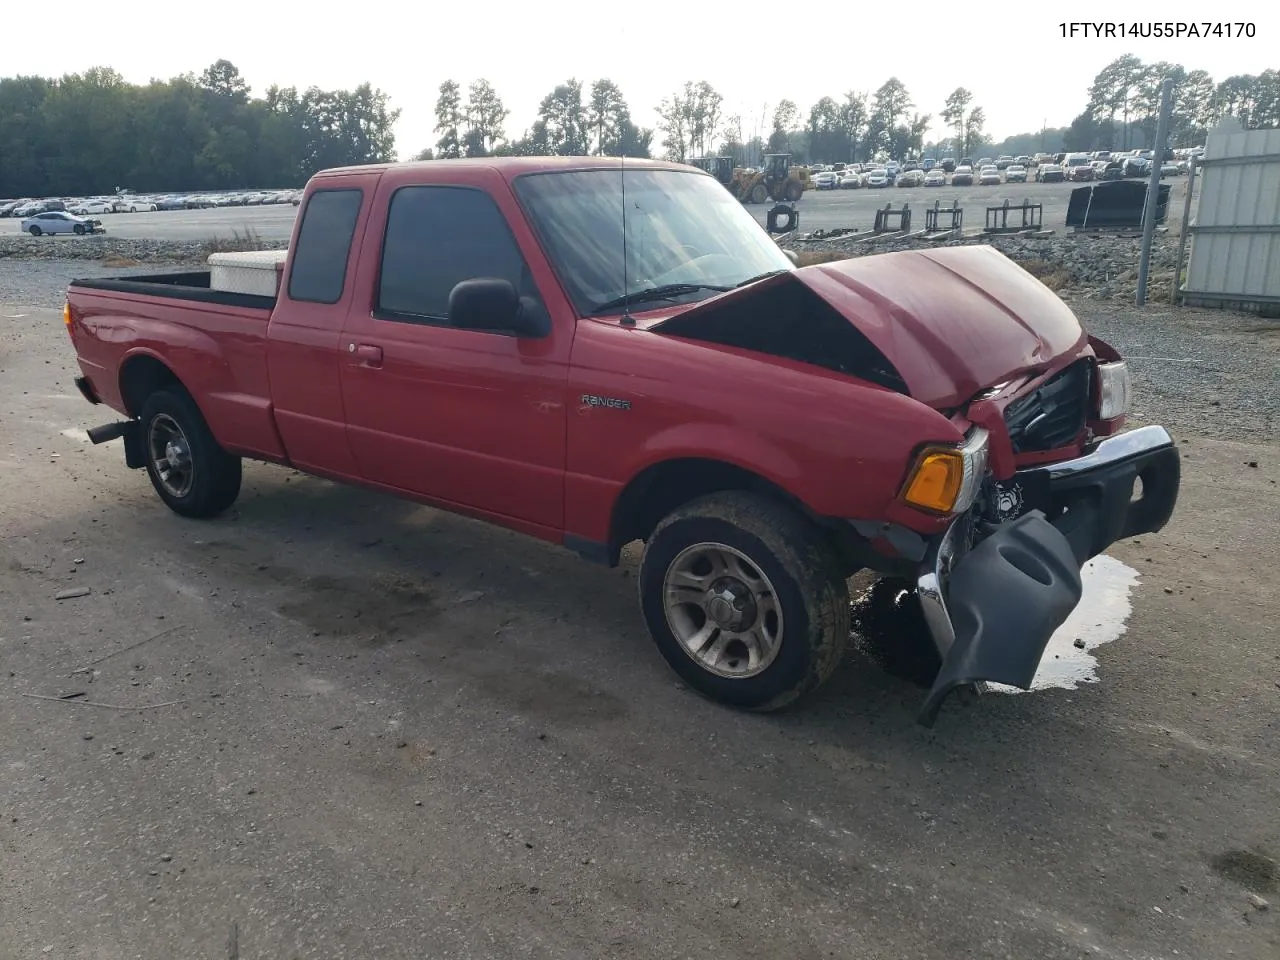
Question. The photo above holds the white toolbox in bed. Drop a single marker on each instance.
(253, 271)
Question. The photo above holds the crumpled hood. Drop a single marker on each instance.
(953, 321)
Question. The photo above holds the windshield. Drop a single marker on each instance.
(682, 228)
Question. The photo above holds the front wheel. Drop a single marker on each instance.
(744, 600)
(194, 476)
(34, 231)
(759, 193)
(79, 229)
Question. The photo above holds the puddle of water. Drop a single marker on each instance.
(1100, 617)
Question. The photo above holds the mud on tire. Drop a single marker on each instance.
(810, 594)
(191, 472)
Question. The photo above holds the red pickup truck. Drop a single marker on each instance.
(595, 352)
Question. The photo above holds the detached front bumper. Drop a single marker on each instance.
(992, 609)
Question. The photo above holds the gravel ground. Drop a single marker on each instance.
(334, 724)
(1208, 372)
(1200, 372)
(43, 283)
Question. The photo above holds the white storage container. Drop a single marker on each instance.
(253, 271)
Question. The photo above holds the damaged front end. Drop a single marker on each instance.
(993, 593)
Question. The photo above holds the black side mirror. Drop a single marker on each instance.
(491, 303)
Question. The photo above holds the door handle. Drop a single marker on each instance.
(366, 352)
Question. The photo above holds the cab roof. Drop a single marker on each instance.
(513, 166)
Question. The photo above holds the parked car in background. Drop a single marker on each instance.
(87, 207)
(911, 178)
(989, 176)
(1004, 162)
(1050, 173)
(963, 177)
(1015, 173)
(136, 205)
(935, 178)
(826, 180)
(1078, 166)
(949, 164)
(59, 221)
(876, 178)
(849, 180)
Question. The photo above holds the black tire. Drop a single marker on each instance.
(811, 593)
(215, 474)
(759, 193)
(794, 191)
(79, 229)
(34, 230)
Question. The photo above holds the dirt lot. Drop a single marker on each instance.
(359, 728)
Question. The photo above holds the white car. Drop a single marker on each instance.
(874, 179)
(826, 180)
(989, 176)
(55, 221)
(1015, 173)
(135, 205)
(86, 207)
(849, 180)
(935, 178)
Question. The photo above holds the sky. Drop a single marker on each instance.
(1020, 67)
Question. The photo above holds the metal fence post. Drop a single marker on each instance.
(1153, 190)
(1186, 229)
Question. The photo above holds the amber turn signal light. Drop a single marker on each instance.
(66, 312)
(936, 480)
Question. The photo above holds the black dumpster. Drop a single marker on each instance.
(1114, 204)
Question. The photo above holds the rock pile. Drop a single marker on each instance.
(109, 248)
(1084, 265)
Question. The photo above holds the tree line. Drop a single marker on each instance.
(90, 133)
(1123, 105)
(93, 132)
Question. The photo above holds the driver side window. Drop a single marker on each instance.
(435, 238)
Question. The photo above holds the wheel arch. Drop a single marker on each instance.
(141, 375)
(662, 487)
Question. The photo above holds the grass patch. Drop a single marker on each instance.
(809, 257)
(1051, 275)
(238, 242)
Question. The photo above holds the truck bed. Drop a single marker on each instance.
(212, 342)
(192, 286)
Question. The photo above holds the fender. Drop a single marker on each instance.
(239, 416)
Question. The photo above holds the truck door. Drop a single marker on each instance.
(471, 419)
(303, 350)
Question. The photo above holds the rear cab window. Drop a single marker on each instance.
(319, 270)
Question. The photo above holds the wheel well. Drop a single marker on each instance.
(661, 488)
(140, 377)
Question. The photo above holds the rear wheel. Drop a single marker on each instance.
(744, 600)
(794, 191)
(194, 476)
(759, 193)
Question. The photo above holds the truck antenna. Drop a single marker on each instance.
(627, 319)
